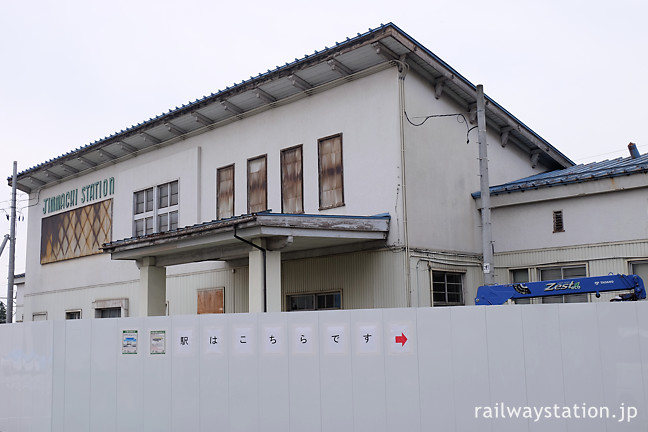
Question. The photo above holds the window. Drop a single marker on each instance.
(225, 192)
(155, 209)
(558, 225)
(257, 185)
(39, 316)
(211, 301)
(292, 197)
(564, 272)
(113, 312)
(309, 302)
(73, 314)
(112, 308)
(447, 288)
(520, 276)
(331, 181)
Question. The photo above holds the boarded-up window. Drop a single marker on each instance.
(331, 184)
(211, 301)
(225, 192)
(257, 185)
(76, 233)
(292, 197)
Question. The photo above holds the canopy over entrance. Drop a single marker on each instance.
(263, 238)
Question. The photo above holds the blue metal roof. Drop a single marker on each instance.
(575, 174)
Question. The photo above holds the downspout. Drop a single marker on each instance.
(403, 68)
(263, 253)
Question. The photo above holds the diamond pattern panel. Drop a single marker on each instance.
(76, 233)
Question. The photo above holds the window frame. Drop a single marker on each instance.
(73, 311)
(156, 211)
(300, 179)
(326, 206)
(263, 157)
(563, 297)
(558, 221)
(315, 296)
(39, 314)
(121, 303)
(445, 274)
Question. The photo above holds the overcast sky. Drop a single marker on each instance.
(75, 71)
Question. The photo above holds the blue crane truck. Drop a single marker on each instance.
(500, 294)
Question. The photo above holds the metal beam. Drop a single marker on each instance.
(504, 135)
(339, 67)
(106, 154)
(69, 169)
(472, 113)
(264, 96)
(438, 87)
(202, 119)
(385, 52)
(174, 129)
(48, 173)
(535, 156)
(87, 161)
(149, 137)
(300, 83)
(36, 181)
(127, 147)
(229, 106)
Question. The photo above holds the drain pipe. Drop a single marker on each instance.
(263, 253)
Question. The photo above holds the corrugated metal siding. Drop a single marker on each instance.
(182, 289)
(366, 279)
(601, 259)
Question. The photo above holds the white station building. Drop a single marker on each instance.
(341, 180)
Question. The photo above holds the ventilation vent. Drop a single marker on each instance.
(558, 225)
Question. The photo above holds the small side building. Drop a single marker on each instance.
(585, 220)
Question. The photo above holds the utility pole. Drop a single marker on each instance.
(487, 235)
(12, 245)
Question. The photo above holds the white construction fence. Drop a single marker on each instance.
(572, 367)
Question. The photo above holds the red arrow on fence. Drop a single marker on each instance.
(401, 339)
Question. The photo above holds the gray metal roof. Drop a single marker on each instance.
(347, 60)
(290, 233)
(575, 174)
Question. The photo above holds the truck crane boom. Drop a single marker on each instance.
(500, 294)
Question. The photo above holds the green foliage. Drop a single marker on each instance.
(3, 313)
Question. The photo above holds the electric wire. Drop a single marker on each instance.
(460, 119)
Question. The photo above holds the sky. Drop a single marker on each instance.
(75, 71)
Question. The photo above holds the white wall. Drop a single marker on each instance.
(588, 219)
(457, 362)
(443, 171)
(364, 111)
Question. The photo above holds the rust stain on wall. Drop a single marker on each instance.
(292, 199)
(225, 192)
(76, 233)
(257, 185)
(331, 174)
